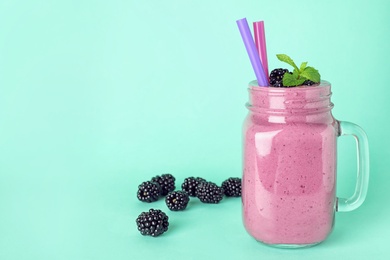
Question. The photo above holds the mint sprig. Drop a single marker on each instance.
(299, 75)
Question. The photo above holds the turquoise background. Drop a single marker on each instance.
(98, 96)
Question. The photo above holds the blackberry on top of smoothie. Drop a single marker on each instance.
(304, 75)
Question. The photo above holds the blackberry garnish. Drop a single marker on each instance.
(302, 75)
(232, 187)
(177, 200)
(209, 192)
(152, 223)
(276, 77)
(309, 83)
(148, 191)
(189, 185)
(166, 181)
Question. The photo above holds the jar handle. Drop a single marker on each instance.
(352, 203)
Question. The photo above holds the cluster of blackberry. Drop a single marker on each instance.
(150, 191)
(155, 222)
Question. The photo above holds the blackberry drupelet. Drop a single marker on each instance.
(209, 192)
(148, 191)
(276, 77)
(152, 223)
(232, 187)
(166, 181)
(189, 185)
(177, 200)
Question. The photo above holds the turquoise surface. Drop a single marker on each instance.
(98, 96)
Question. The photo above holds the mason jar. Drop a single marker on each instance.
(290, 162)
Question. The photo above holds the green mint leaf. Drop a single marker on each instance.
(296, 74)
(312, 74)
(299, 75)
(285, 58)
(303, 66)
(290, 81)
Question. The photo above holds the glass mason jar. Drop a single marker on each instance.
(289, 165)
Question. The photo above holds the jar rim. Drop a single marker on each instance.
(295, 100)
(253, 86)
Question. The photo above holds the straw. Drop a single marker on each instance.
(246, 35)
(259, 33)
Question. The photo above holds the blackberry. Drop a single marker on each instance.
(276, 77)
(166, 181)
(309, 83)
(177, 200)
(189, 185)
(232, 187)
(152, 223)
(209, 192)
(148, 191)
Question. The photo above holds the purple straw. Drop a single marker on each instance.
(252, 52)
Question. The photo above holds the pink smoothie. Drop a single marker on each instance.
(289, 162)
